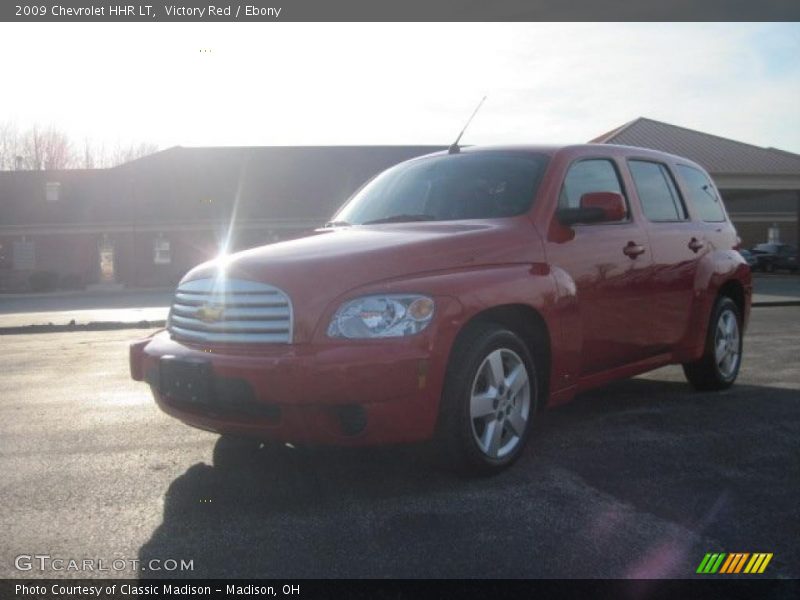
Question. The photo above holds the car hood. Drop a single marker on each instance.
(318, 269)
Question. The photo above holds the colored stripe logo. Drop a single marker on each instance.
(733, 563)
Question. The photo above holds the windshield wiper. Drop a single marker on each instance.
(336, 224)
(401, 219)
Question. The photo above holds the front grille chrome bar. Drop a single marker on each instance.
(230, 311)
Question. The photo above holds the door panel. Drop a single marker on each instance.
(612, 292)
(610, 266)
(676, 250)
(676, 244)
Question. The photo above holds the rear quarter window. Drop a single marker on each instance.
(702, 194)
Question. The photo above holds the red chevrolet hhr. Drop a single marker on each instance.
(453, 297)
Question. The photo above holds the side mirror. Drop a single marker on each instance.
(612, 204)
(596, 207)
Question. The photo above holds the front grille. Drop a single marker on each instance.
(230, 311)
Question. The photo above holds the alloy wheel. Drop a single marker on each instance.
(500, 403)
(726, 344)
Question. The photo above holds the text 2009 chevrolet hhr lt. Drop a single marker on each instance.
(453, 297)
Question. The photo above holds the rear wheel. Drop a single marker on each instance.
(720, 363)
(489, 400)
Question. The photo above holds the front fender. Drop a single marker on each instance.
(466, 293)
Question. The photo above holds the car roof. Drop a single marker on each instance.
(552, 150)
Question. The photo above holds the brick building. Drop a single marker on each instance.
(145, 223)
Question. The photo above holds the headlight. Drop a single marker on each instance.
(382, 316)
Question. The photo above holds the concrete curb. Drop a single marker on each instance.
(86, 293)
(92, 326)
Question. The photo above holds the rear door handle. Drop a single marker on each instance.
(633, 250)
(695, 245)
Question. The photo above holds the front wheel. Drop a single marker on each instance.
(489, 400)
(720, 363)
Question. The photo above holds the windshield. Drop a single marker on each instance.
(483, 185)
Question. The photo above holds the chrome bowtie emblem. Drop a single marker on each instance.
(210, 313)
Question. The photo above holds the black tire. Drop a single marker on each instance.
(457, 436)
(708, 373)
(769, 267)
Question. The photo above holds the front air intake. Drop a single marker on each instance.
(235, 311)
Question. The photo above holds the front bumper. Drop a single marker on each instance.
(310, 393)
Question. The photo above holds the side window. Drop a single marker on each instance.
(657, 192)
(702, 194)
(583, 177)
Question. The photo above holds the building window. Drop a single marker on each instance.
(53, 191)
(24, 255)
(162, 253)
(105, 249)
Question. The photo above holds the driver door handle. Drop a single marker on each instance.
(695, 245)
(632, 250)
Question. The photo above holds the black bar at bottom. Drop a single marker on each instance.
(392, 589)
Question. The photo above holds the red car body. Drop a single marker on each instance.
(606, 301)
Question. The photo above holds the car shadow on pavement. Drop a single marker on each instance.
(724, 464)
(609, 476)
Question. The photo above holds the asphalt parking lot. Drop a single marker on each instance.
(641, 478)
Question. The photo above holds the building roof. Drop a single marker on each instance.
(718, 155)
(179, 184)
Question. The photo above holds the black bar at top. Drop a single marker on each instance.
(398, 10)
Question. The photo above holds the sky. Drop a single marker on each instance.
(197, 84)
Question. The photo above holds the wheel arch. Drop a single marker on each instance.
(734, 290)
(529, 324)
(720, 273)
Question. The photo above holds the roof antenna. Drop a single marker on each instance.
(454, 149)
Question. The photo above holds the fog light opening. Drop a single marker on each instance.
(352, 419)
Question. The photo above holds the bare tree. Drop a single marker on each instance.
(88, 158)
(122, 154)
(100, 156)
(9, 146)
(49, 148)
